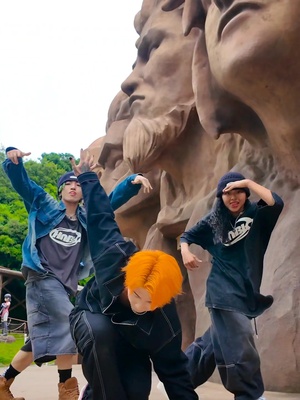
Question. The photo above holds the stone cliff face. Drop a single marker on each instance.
(175, 122)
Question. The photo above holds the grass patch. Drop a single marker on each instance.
(8, 350)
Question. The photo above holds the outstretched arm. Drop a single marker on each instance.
(198, 234)
(124, 191)
(189, 259)
(144, 182)
(127, 189)
(14, 154)
(86, 163)
(14, 169)
(109, 250)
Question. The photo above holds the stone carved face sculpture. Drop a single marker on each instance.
(257, 68)
(159, 87)
(244, 52)
(219, 111)
(260, 66)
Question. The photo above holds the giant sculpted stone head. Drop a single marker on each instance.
(159, 87)
(164, 129)
(252, 63)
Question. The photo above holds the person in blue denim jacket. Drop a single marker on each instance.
(236, 233)
(55, 256)
(125, 318)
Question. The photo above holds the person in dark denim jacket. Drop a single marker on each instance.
(55, 256)
(121, 325)
(236, 233)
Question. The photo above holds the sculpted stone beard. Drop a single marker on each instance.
(146, 139)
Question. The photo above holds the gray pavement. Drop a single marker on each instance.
(41, 384)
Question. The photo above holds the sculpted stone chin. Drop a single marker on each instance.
(136, 216)
(146, 139)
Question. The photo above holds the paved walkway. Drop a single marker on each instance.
(41, 384)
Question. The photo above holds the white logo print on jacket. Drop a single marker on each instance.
(240, 230)
(65, 237)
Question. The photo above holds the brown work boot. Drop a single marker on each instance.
(5, 393)
(68, 390)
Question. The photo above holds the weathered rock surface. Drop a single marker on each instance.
(185, 118)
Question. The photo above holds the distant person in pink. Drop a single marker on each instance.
(5, 313)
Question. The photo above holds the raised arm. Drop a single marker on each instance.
(127, 189)
(14, 169)
(124, 191)
(103, 231)
(262, 192)
(14, 154)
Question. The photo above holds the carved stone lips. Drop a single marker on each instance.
(133, 98)
(232, 12)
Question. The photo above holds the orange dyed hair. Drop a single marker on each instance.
(157, 272)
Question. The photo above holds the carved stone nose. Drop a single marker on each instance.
(223, 4)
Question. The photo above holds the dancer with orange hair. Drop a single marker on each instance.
(156, 272)
(125, 317)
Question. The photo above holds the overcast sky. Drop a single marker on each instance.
(62, 62)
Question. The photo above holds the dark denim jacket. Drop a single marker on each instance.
(157, 332)
(234, 281)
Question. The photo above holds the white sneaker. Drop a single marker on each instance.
(82, 392)
(262, 398)
(161, 388)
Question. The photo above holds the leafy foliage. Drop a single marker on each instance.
(13, 215)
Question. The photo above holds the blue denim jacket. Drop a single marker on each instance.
(45, 213)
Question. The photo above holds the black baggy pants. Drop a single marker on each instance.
(229, 345)
(112, 367)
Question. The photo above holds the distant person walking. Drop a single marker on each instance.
(4, 312)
